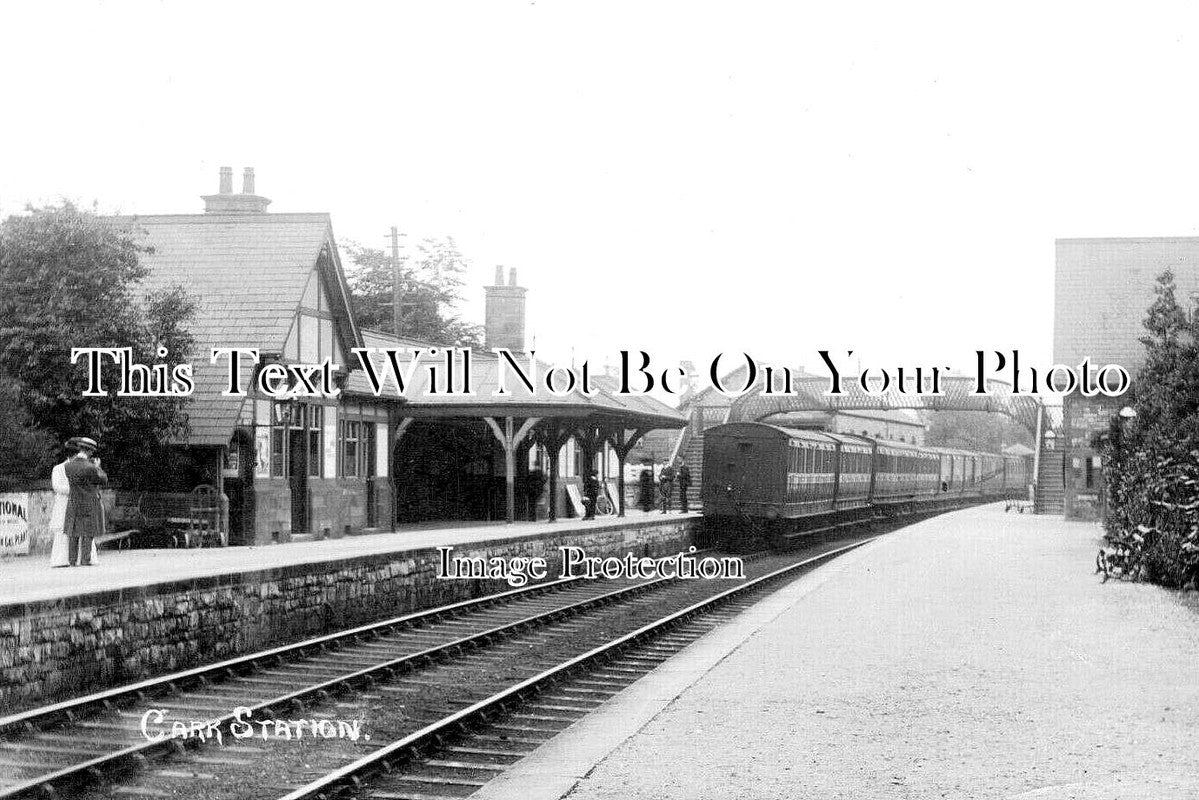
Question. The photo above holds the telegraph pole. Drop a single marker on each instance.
(397, 285)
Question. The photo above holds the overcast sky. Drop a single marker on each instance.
(683, 178)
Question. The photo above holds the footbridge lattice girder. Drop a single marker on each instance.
(957, 394)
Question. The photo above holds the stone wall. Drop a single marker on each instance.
(334, 505)
(272, 510)
(71, 646)
(338, 506)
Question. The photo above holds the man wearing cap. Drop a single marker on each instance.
(85, 513)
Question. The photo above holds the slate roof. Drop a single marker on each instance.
(603, 402)
(247, 274)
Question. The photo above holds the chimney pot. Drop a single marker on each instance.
(226, 202)
(504, 314)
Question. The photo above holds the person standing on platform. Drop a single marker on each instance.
(534, 485)
(684, 480)
(58, 512)
(85, 510)
(591, 490)
(646, 494)
(666, 486)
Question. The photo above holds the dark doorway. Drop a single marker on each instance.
(298, 451)
(369, 444)
(449, 470)
(238, 471)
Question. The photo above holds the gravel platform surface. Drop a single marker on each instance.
(974, 655)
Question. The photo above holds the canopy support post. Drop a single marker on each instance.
(509, 441)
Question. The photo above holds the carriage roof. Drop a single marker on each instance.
(819, 439)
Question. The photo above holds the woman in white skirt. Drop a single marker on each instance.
(59, 546)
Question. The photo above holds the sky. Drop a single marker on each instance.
(681, 178)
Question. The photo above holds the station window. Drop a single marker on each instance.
(351, 435)
(314, 420)
(369, 443)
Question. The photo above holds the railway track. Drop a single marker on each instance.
(457, 754)
(409, 682)
(90, 738)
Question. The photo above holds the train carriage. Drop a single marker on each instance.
(855, 455)
(763, 472)
(904, 472)
(757, 470)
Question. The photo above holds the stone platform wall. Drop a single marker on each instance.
(71, 646)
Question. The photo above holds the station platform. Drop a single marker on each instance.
(31, 579)
(973, 655)
(68, 631)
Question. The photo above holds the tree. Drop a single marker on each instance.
(1167, 388)
(26, 451)
(1151, 462)
(433, 281)
(72, 279)
(975, 430)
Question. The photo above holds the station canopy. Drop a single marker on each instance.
(519, 417)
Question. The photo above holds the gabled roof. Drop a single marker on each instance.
(246, 273)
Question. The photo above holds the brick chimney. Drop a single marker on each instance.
(504, 319)
(226, 202)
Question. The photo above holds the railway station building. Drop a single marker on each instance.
(325, 467)
(1103, 288)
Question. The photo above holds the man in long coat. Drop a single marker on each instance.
(683, 478)
(85, 512)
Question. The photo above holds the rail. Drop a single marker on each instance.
(431, 736)
(96, 768)
(69, 709)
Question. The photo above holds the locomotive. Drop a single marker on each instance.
(764, 483)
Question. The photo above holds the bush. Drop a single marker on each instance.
(1151, 462)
